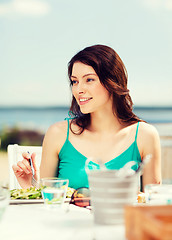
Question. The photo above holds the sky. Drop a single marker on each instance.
(39, 37)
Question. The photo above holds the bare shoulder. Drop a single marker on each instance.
(147, 130)
(58, 128)
(148, 138)
(56, 134)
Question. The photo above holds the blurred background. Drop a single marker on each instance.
(39, 37)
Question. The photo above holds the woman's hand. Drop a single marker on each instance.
(23, 171)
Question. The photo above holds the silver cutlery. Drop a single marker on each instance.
(33, 182)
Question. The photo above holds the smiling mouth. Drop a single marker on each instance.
(84, 100)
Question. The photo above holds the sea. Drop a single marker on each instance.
(40, 118)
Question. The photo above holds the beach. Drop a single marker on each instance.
(3, 166)
(164, 130)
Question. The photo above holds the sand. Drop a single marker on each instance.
(3, 166)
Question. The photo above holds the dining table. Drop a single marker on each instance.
(34, 221)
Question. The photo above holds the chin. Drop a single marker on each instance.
(84, 111)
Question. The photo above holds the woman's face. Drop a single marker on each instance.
(89, 93)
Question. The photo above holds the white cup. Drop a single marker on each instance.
(109, 195)
(4, 200)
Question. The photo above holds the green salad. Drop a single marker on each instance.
(30, 193)
(33, 193)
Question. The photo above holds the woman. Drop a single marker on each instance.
(104, 125)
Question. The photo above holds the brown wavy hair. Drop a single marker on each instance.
(113, 76)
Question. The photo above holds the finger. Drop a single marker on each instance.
(22, 165)
(27, 164)
(16, 169)
(26, 155)
(35, 166)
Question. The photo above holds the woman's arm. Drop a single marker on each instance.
(52, 144)
(149, 142)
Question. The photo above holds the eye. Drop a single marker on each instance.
(90, 79)
(73, 82)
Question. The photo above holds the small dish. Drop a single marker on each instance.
(30, 201)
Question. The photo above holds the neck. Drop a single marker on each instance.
(104, 121)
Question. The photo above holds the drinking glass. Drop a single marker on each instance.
(4, 200)
(54, 192)
(158, 194)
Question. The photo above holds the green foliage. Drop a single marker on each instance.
(20, 136)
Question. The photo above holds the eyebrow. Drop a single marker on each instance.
(85, 75)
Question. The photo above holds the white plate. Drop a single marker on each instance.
(26, 201)
(30, 201)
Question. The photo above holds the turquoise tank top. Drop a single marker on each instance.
(72, 163)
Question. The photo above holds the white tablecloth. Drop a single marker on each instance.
(34, 222)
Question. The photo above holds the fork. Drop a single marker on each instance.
(33, 181)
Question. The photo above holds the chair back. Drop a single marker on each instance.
(15, 154)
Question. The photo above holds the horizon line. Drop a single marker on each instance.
(67, 106)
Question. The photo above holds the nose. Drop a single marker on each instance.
(81, 88)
